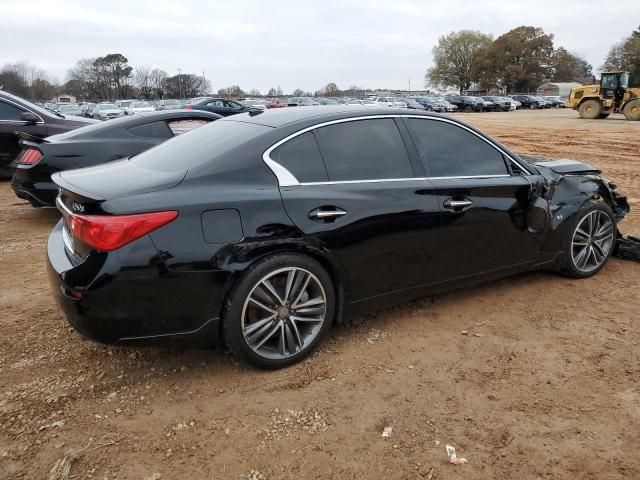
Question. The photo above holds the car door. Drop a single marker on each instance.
(483, 197)
(232, 107)
(10, 122)
(356, 193)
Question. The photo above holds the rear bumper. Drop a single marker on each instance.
(110, 302)
(38, 194)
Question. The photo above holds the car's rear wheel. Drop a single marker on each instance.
(593, 237)
(279, 311)
(468, 109)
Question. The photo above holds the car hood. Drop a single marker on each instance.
(111, 110)
(121, 178)
(562, 166)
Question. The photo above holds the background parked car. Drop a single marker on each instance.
(70, 109)
(17, 114)
(302, 102)
(87, 109)
(500, 104)
(124, 104)
(93, 145)
(430, 104)
(169, 104)
(221, 106)
(254, 103)
(487, 105)
(276, 103)
(556, 102)
(412, 104)
(139, 107)
(527, 101)
(466, 103)
(106, 111)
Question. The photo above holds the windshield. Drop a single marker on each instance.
(125, 103)
(202, 145)
(106, 106)
(140, 104)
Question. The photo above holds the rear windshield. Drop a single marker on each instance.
(199, 146)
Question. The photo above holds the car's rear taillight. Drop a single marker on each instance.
(109, 232)
(188, 107)
(29, 156)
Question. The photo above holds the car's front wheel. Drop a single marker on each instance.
(593, 237)
(279, 311)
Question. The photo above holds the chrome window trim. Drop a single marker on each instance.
(338, 182)
(287, 179)
(21, 107)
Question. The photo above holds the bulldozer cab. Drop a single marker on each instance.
(614, 85)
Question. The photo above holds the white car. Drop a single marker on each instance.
(106, 111)
(139, 107)
(390, 102)
(255, 103)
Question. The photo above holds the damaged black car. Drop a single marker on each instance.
(265, 229)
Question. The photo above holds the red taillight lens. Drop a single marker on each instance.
(109, 232)
(30, 156)
(188, 107)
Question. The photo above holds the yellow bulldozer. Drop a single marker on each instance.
(612, 95)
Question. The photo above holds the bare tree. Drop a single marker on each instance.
(142, 80)
(157, 82)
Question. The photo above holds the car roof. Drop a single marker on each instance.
(122, 123)
(284, 116)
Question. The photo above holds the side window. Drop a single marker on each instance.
(9, 111)
(364, 150)
(178, 127)
(151, 130)
(302, 158)
(447, 150)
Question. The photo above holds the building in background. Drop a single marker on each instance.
(557, 89)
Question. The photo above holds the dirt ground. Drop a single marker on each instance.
(544, 384)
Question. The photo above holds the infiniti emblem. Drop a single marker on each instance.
(77, 207)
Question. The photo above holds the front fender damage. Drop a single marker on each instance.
(567, 192)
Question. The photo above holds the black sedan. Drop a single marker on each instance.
(466, 103)
(92, 145)
(221, 106)
(270, 228)
(18, 114)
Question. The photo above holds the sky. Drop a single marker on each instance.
(291, 43)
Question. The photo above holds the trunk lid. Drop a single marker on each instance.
(116, 179)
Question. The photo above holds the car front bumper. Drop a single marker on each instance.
(110, 301)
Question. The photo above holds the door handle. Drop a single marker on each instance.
(326, 214)
(451, 204)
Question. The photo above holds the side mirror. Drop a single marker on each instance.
(29, 117)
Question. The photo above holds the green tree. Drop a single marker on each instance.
(519, 60)
(115, 73)
(567, 67)
(625, 55)
(455, 59)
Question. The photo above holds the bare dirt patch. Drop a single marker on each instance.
(544, 384)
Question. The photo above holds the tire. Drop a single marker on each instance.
(266, 345)
(597, 251)
(468, 109)
(590, 109)
(631, 110)
(429, 108)
(532, 106)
